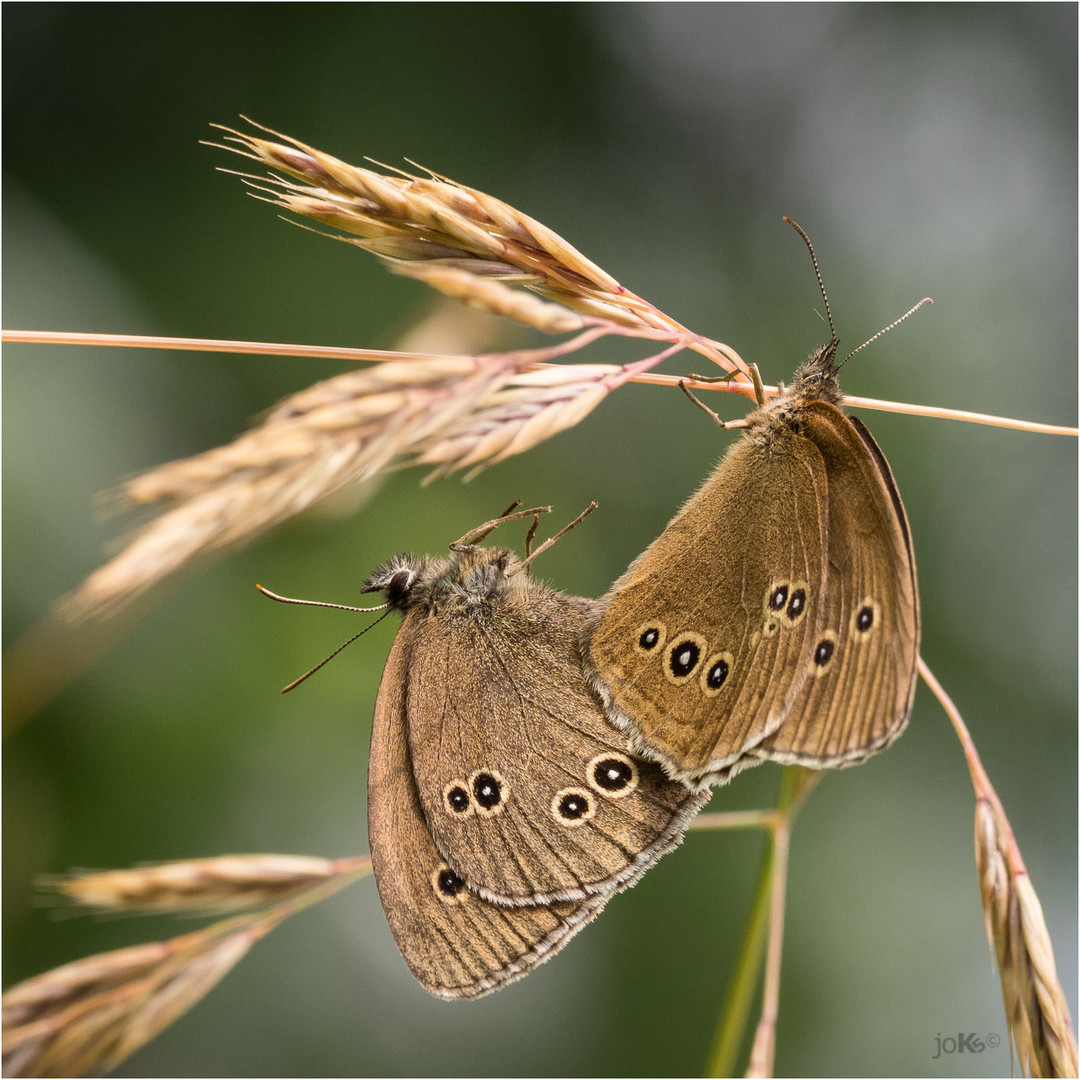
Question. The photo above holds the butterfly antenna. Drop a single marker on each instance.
(474, 536)
(311, 671)
(322, 603)
(524, 565)
(817, 271)
(870, 341)
(318, 603)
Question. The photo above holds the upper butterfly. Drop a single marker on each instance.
(777, 616)
(503, 810)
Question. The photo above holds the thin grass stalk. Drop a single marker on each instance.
(742, 989)
(763, 1050)
(766, 914)
(1040, 1028)
(649, 378)
(795, 786)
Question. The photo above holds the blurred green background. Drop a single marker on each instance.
(928, 150)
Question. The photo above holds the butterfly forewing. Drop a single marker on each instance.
(527, 790)
(707, 637)
(455, 943)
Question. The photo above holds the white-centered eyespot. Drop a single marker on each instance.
(865, 619)
(821, 659)
(448, 886)
(573, 807)
(489, 791)
(715, 672)
(649, 637)
(456, 799)
(683, 655)
(612, 775)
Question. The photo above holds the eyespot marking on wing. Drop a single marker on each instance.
(490, 792)
(824, 653)
(683, 655)
(612, 775)
(649, 637)
(715, 672)
(456, 799)
(448, 886)
(865, 619)
(573, 807)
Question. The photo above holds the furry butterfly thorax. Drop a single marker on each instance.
(504, 811)
(777, 616)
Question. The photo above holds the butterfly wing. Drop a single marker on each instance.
(456, 944)
(858, 695)
(529, 793)
(706, 638)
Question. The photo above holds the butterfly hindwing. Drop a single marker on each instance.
(456, 944)
(527, 790)
(861, 680)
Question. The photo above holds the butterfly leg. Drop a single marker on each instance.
(474, 536)
(759, 394)
(558, 536)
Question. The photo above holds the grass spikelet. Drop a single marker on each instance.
(226, 883)
(525, 411)
(494, 297)
(454, 412)
(433, 219)
(88, 1016)
(1040, 1029)
(348, 428)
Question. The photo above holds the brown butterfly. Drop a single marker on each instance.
(777, 616)
(503, 810)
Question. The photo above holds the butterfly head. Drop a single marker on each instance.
(815, 379)
(470, 575)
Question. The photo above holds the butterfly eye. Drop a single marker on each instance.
(397, 588)
(490, 791)
(715, 672)
(649, 637)
(683, 656)
(456, 799)
(449, 887)
(824, 652)
(573, 807)
(612, 775)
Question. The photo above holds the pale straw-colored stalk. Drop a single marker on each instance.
(1040, 1029)
(88, 1016)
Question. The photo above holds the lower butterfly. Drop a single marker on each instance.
(504, 811)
